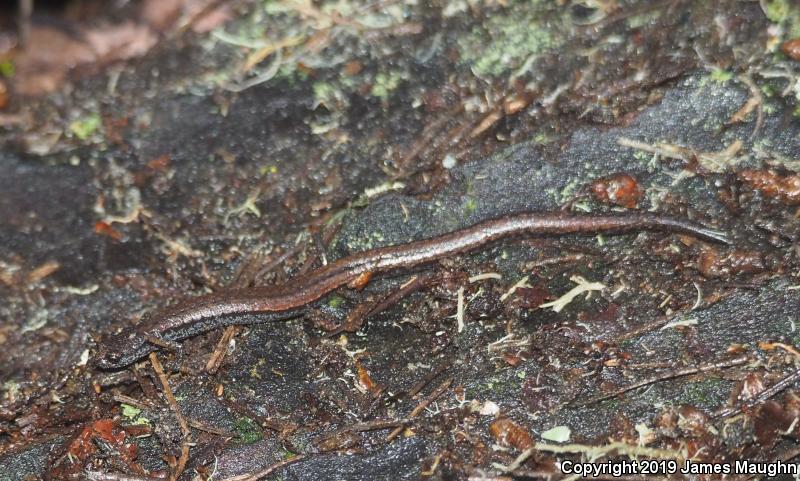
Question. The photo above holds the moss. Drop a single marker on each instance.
(365, 244)
(568, 192)
(385, 83)
(247, 430)
(11, 388)
(503, 384)
(542, 139)
(796, 337)
(514, 40)
(328, 94)
(275, 7)
(720, 76)
(637, 21)
(610, 405)
(642, 156)
(7, 69)
(776, 10)
(335, 301)
(470, 206)
(784, 12)
(133, 415)
(768, 90)
(85, 127)
(268, 169)
(704, 393)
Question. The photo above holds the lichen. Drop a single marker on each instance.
(514, 40)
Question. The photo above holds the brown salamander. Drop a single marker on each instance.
(201, 314)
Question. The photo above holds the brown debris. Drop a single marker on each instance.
(692, 421)
(105, 229)
(784, 187)
(216, 358)
(508, 433)
(3, 94)
(791, 48)
(364, 379)
(762, 396)
(532, 297)
(747, 389)
(83, 447)
(42, 271)
(712, 264)
(361, 281)
(40, 68)
(617, 189)
(772, 419)
(677, 421)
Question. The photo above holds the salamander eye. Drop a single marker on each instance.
(109, 359)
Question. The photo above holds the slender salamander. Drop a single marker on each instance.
(201, 314)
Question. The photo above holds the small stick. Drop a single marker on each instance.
(173, 404)
(430, 132)
(263, 421)
(200, 425)
(24, 21)
(666, 376)
(762, 396)
(417, 283)
(421, 406)
(755, 93)
(649, 327)
(162, 343)
(139, 404)
(146, 384)
(419, 385)
(357, 317)
(216, 358)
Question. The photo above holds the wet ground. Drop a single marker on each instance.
(298, 133)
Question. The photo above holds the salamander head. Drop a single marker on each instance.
(122, 351)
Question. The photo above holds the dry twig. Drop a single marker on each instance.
(173, 404)
(421, 406)
(666, 376)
